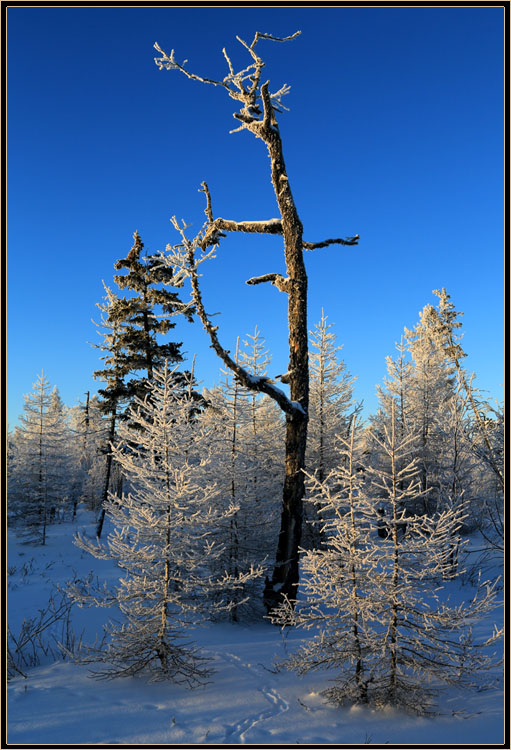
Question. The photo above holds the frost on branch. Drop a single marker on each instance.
(164, 540)
(185, 262)
(384, 623)
(258, 108)
(243, 85)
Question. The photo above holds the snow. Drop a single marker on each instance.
(246, 702)
(261, 223)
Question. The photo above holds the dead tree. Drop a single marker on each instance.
(258, 114)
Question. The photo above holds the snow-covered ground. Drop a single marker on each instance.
(246, 702)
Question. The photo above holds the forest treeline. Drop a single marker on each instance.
(191, 480)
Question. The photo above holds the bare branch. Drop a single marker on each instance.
(233, 82)
(182, 256)
(265, 96)
(208, 210)
(339, 241)
(260, 35)
(213, 232)
(276, 279)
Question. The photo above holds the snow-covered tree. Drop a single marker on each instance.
(431, 391)
(445, 318)
(395, 392)
(39, 476)
(162, 540)
(382, 619)
(331, 409)
(332, 404)
(114, 394)
(246, 433)
(338, 598)
(89, 427)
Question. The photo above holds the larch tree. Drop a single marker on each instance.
(258, 114)
(445, 319)
(89, 426)
(395, 391)
(163, 540)
(246, 432)
(431, 391)
(39, 479)
(331, 411)
(485, 435)
(114, 394)
(338, 601)
(384, 621)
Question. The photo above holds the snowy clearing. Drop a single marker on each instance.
(246, 701)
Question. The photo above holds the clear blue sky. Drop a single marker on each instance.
(395, 132)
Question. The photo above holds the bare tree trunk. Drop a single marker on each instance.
(246, 88)
(108, 471)
(286, 573)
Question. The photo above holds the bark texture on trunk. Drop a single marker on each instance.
(257, 114)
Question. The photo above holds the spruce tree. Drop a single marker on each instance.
(145, 314)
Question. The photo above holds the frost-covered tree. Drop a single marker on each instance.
(114, 394)
(39, 476)
(395, 392)
(382, 620)
(445, 318)
(338, 598)
(331, 409)
(430, 405)
(246, 433)
(431, 391)
(438, 404)
(332, 404)
(89, 427)
(258, 114)
(163, 542)
(60, 472)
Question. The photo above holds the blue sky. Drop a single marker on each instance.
(395, 132)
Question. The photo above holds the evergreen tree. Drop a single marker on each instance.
(162, 541)
(145, 315)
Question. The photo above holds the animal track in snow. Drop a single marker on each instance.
(236, 734)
